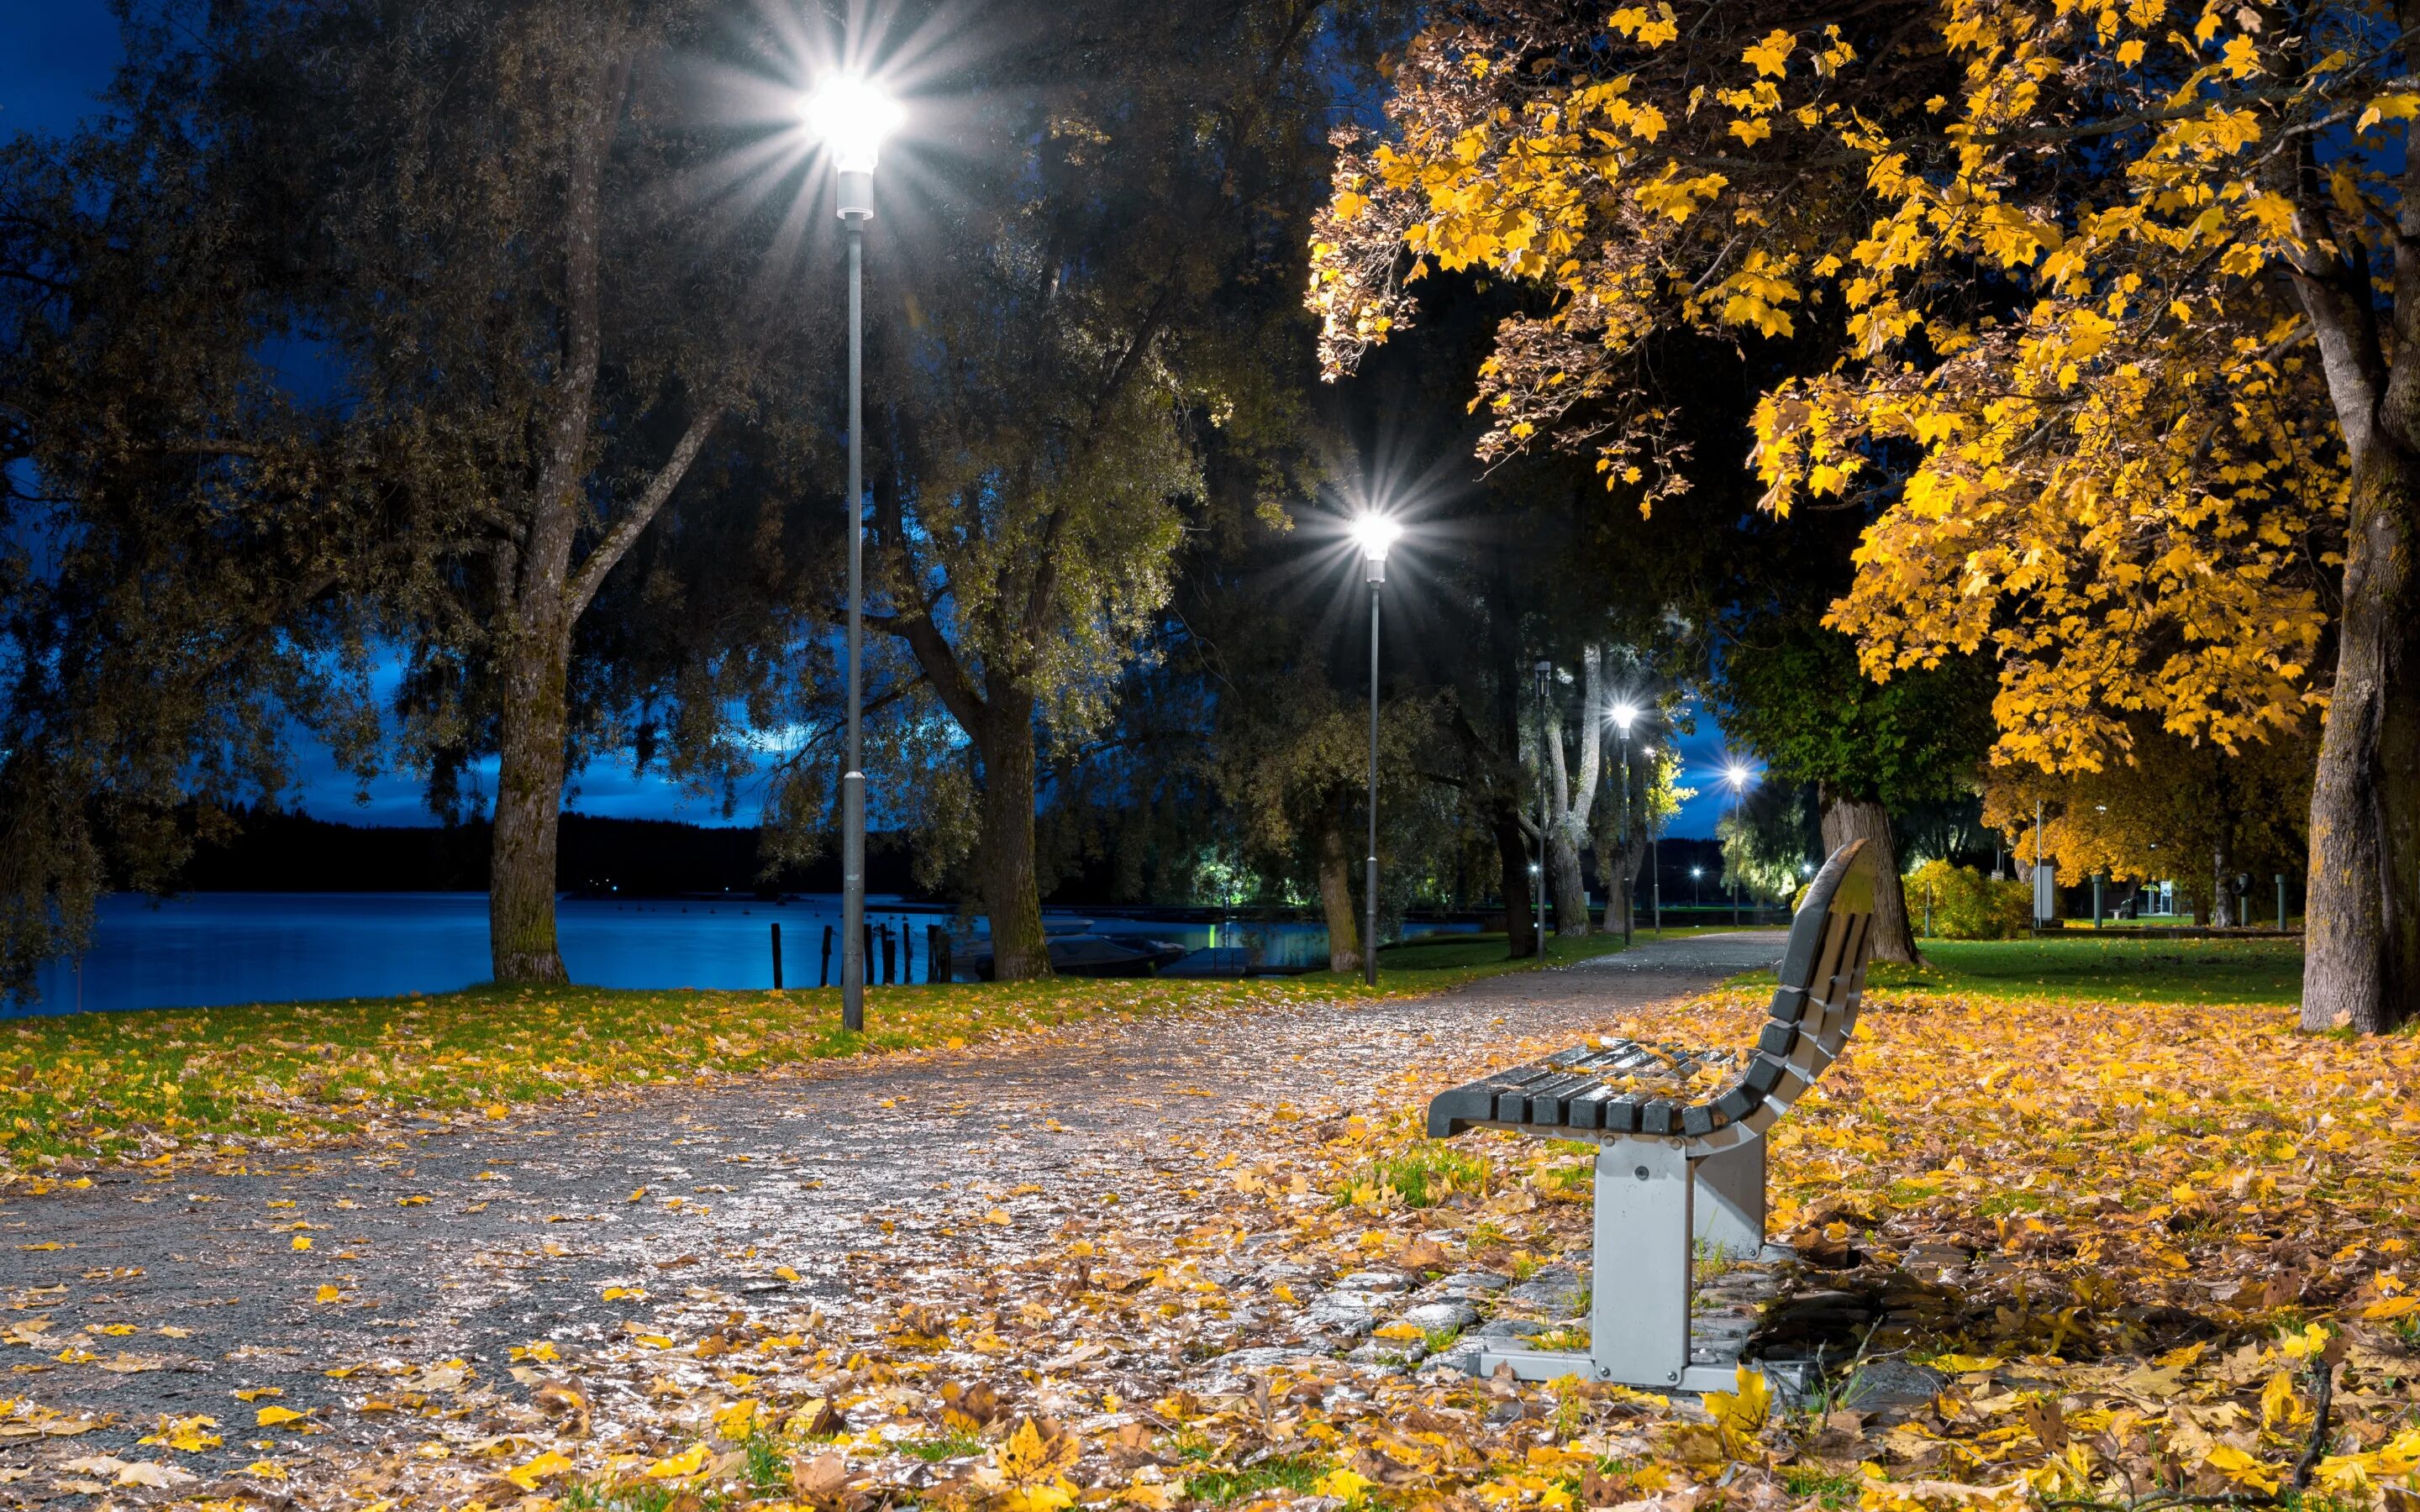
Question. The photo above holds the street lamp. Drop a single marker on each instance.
(1545, 671)
(1373, 532)
(1694, 873)
(1623, 716)
(851, 114)
(1737, 776)
(1654, 855)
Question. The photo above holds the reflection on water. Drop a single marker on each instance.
(208, 948)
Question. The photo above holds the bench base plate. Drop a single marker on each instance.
(1554, 1365)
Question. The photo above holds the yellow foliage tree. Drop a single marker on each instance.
(2107, 295)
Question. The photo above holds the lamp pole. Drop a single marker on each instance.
(1737, 777)
(1375, 532)
(1654, 856)
(852, 117)
(1624, 715)
(1545, 671)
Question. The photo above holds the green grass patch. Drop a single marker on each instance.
(948, 1447)
(2086, 965)
(1822, 1487)
(1222, 1488)
(1425, 1173)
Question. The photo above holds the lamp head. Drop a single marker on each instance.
(851, 114)
(1625, 716)
(1373, 533)
(1736, 776)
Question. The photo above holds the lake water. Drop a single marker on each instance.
(215, 948)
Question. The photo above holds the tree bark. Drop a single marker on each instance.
(1569, 888)
(1846, 819)
(1513, 853)
(529, 807)
(2362, 958)
(1336, 894)
(1012, 891)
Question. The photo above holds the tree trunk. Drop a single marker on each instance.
(2362, 961)
(1336, 895)
(1846, 819)
(1570, 888)
(529, 809)
(1513, 853)
(1012, 892)
(2222, 898)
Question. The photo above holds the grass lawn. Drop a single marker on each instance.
(143, 1083)
(2083, 967)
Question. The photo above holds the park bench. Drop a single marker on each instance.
(1673, 1173)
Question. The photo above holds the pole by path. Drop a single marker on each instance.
(776, 955)
(823, 977)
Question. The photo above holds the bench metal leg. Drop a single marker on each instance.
(1729, 1200)
(1638, 1317)
(1638, 1306)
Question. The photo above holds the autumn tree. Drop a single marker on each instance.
(2117, 292)
(181, 530)
(2191, 811)
(476, 232)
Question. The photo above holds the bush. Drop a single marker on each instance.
(1968, 905)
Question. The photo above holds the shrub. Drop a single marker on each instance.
(1968, 905)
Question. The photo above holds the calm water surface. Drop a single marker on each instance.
(215, 948)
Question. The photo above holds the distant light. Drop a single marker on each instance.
(851, 114)
(1373, 532)
(1697, 870)
(1623, 716)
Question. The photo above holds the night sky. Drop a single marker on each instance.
(55, 55)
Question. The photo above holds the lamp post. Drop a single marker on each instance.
(1625, 716)
(1545, 671)
(1737, 776)
(1654, 855)
(1694, 873)
(1373, 534)
(851, 116)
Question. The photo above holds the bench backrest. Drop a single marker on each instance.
(1815, 1007)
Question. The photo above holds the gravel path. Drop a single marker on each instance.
(465, 1243)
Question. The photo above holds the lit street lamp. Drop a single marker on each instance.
(851, 114)
(1625, 716)
(1654, 855)
(1373, 533)
(1738, 777)
(1694, 873)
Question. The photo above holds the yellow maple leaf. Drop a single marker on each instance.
(544, 1467)
(1740, 1414)
(674, 1467)
(269, 1418)
(1028, 1458)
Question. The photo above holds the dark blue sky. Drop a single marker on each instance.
(55, 56)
